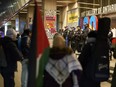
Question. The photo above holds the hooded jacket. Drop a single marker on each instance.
(57, 54)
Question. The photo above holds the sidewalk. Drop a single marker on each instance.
(18, 74)
(17, 77)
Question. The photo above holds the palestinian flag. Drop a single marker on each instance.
(39, 51)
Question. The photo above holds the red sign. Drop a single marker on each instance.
(50, 18)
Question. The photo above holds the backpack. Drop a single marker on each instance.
(98, 67)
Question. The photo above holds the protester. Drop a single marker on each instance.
(25, 46)
(86, 30)
(62, 69)
(12, 56)
(84, 58)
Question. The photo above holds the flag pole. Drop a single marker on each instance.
(32, 54)
(35, 1)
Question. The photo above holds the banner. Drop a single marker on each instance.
(72, 16)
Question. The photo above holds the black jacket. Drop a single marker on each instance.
(85, 58)
(12, 53)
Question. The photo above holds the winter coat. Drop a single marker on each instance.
(84, 59)
(57, 54)
(12, 53)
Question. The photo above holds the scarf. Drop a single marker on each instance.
(61, 69)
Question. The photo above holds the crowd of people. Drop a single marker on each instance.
(63, 68)
(75, 37)
(15, 48)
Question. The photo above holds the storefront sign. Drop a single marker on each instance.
(91, 12)
(101, 10)
(109, 8)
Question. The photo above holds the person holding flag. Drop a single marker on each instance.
(39, 51)
(62, 69)
(40, 54)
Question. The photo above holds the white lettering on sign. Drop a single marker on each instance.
(91, 12)
(101, 10)
(105, 10)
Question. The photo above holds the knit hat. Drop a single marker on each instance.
(12, 34)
